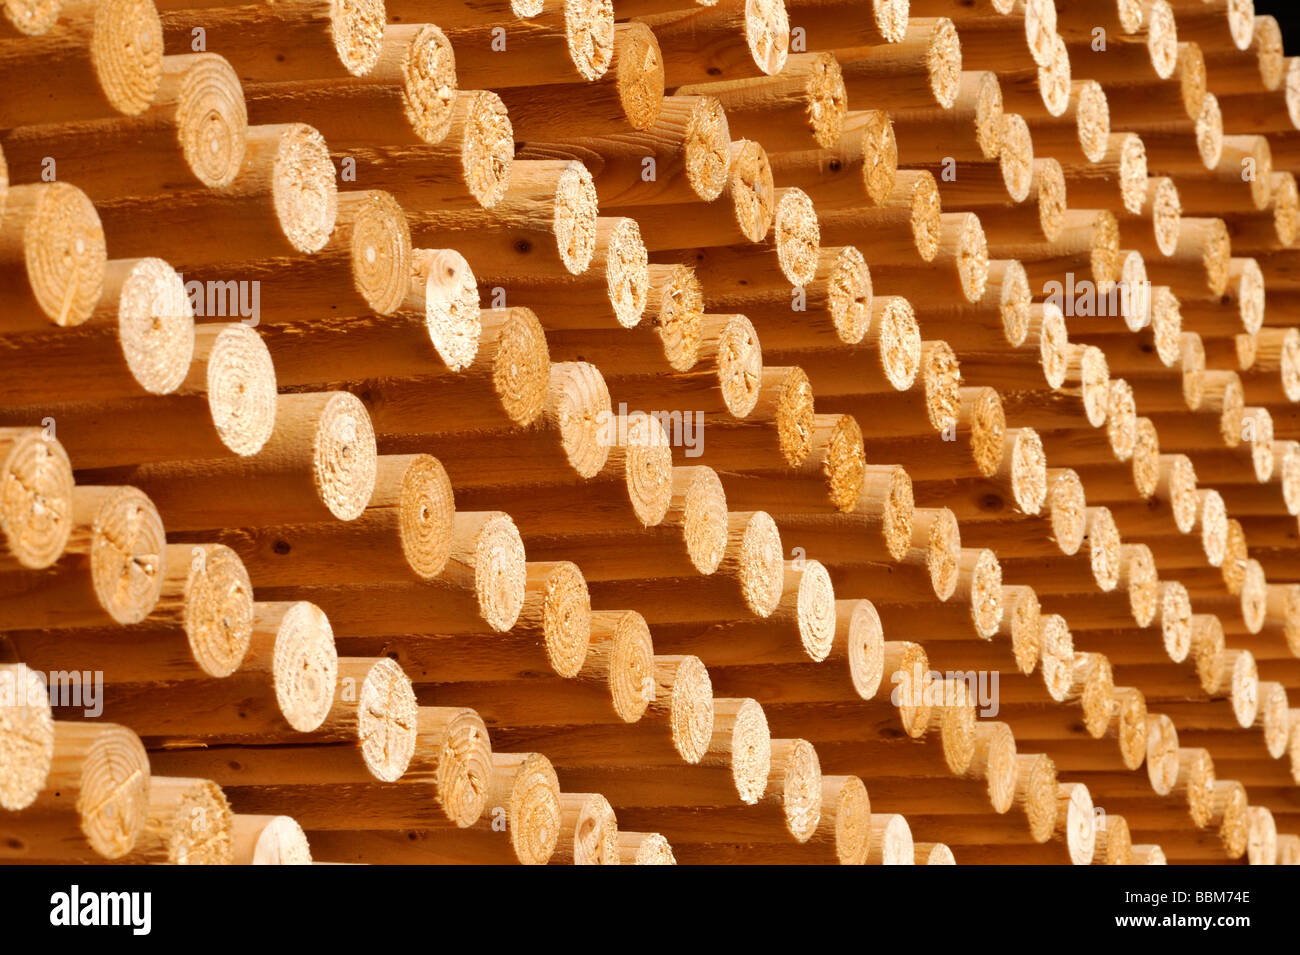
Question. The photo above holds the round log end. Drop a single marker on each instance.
(447, 285)
(304, 666)
(797, 236)
(303, 188)
(704, 518)
(426, 512)
(26, 736)
(218, 609)
(500, 574)
(429, 84)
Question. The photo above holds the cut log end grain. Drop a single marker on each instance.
(1231, 807)
(859, 636)
(62, 247)
(1162, 38)
(647, 465)
(126, 49)
(675, 309)
(446, 283)
(891, 840)
(268, 840)
(908, 666)
(891, 487)
(627, 272)
(827, 99)
(699, 504)
(426, 513)
(982, 574)
(1022, 619)
(1261, 838)
(36, 498)
(487, 145)
(1097, 696)
(240, 386)
(1103, 548)
(1274, 718)
(578, 405)
(588, 831)
(797, 236)
(1214, 527)
(155, 321)
(751, 190)
(767, 34)
(1092, 119)
(1054, 78)
(1036, 794)
(126, 549)
(1121, 419)
(957, 726)
(926, 215)
(941, 379)
(706, 147)
(684, 690)
(838, 441)
(875, 132)
(1138, 572)
(189, 823)
(429, 84)
(105, 768)
(814, 609)
(216, 607)
(1016, 156)
(844, 801)
(379, 247)
(645, 848)
(797, 770)
(303, 188)
(742, 740)
(943, 61)
(210, 115)
(32, 17)
(848, 292)
(565, 613)
(386, 717)
(1146, 458)
(982, 407)
(1078, 819)
(758, 560)
(525, 786)
(357, 28)
(1285, 201)
(739, 359)
(1166, 215)
(344, 456)
(1057, 656)
(793, 412)
(303, 662)
(1266, 41)
(639, 74)
(1162, 753)
(574, 222)
(26, 736)
(1244, 688)
(501, 572)
(589, 32)
(621, 647)
(898, 337)
(995, 760)
(452, 745)
(972, 252)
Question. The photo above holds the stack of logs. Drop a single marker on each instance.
(757, 431)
